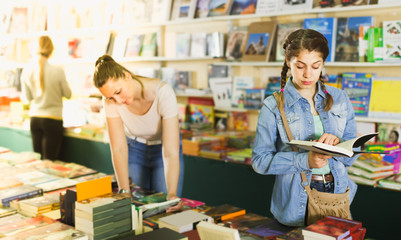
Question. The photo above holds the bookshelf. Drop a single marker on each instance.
(76, 68)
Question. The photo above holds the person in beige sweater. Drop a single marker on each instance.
(44, 85)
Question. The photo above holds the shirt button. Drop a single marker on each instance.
(310, 122)
(302, 205)
(324, 117)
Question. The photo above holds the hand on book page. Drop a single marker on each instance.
(343, 149)
(177, 207)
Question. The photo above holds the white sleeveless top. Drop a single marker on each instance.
(148, 125)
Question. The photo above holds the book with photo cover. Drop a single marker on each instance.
(347, 37)
(219, 7)
(236, 43)
(283, 30)
(133, 45)
(240, 84)
(221, 90)
(259, 41)
(343, 149)
(241, 7)
(202, 8)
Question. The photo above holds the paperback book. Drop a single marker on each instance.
(343, 149)
(358, 87)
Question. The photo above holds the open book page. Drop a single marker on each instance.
(344, 149)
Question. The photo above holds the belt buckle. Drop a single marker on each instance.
(324, 178)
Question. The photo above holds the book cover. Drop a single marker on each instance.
(240, 121)
(273, 85)
(240, 84)
(347, 37)
(384, 95)
(201, 110)
(331, 227)
(22, 225)
(283, 30)
(65, 169)
(149, 45)
(20, 192)
(326, 26)
(295, 5)
(270, 229)
(242, 7)
(198, 44)
(259, 41)
(183, 9)
(133, 45)
(392, 40)
(215, 44)
(155, 208)
(191, 203)
(161, 10)
(219, 7)
(183, 45)
(224, 212)
(246, 221)
(221, 90)
(19, 20)
(182, 80)
(254, 98)
(374, 51)
(221, 119)
(389, 132)
(207, 230)
(183, 221)
(202, 8)
(265, 7)
(359, 171)
(101, 203)
(236, 41)
(358, 87)
(93, 188)
(343, 149)
(218, 71)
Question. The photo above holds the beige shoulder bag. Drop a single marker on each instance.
(320, 204)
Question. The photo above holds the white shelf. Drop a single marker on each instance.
(327, 64)
(378, 120)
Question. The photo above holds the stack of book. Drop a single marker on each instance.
(20, 192)
(369, 168)
(334, 228)
(37, 206)
(392, 182)
(184, 221)
(195, 144)
(104, 216)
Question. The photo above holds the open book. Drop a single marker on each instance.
(343, 149)
(151, 209)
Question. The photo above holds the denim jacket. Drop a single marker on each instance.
(272, 155)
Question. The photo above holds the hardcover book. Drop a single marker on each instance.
(326, 26)
(392, 182)
(202, 8)
(133, 46)
(373, 162)
(241, 7)
(219, 7)
(198, 44)
(254, 98)
(347, 37)
(259, 41)
(149, 45)
(343, 149)
(183, 9)
(236, 43)
(240, 84)
(331, 227)
(265, 7)
(183, 45)
(152, 209)
(283, 30)
(221, 90)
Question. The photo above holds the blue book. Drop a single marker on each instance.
(326, 26)
(358, 87)
(347, 37)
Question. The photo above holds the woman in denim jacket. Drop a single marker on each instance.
(314, 112)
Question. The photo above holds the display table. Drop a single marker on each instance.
(216, 182)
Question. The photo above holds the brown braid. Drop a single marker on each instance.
(284, 71)
(329, 98)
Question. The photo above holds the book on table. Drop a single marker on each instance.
(331, 227)
(343, 149)
(184, 221)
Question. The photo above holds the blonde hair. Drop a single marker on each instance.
(46, 48)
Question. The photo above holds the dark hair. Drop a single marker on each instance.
(297, 41)
(106, 68)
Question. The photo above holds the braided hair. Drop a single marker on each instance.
(297, 41)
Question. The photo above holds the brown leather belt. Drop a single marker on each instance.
(323, 178)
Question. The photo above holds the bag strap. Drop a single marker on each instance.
(285, 122)
(305, 182)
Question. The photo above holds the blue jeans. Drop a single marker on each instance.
(322, 187)
(146, 167)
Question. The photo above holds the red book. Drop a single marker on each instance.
(331, 228)
(358, 234)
